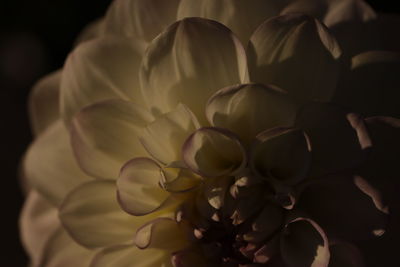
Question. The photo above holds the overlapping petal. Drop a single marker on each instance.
(100, 69)
(188, 62)
(50, 165)
(105, 135)
(299, 47)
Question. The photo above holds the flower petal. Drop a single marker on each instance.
(369, 87)
(72, 253)
(304, 243)
(161, 233)
(346, 207)
(164, 137)
(97, 70)
(345, 254)
(139, 190)
(249, 109)
(213, 152)
(241, 16)
(92, 216)
(37, 222)
(44, 102)
(339, 138)
(140, 19)
(105, 135)
(188, 62)
(299, 47)
(130, 256)
(50, 165)
(91, 31)
(282, 155)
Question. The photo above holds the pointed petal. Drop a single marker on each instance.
(72, 254)
(105, 135)
(164, 137)
(298, 54)
(97, 70)
(346, 207)
(92, 216)
(44, 102)
(139, 190)
(130, 256)
(304, 243)
(188, 62)
(142, 20)
(37, 222)
(339, 138)
(213, 152)
(249, 109)
(50, 165)
(242, 17)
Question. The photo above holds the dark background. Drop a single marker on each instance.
(35, 37)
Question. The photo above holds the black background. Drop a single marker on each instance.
(35, 37)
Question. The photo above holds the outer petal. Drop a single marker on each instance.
(105, 135)
(242, 17)
(249, 109)
(130, 256)
(346, 207)
(92, 216)
(91, 31)
(61, 250)
(299, 47)
(339, 138)
(97, 70)
(164, 137)
(188, 62)
(50, 166)
(304, 243)
(140, 19)
(371, 86)
(44, 102)
(37, 222)
(213, 152)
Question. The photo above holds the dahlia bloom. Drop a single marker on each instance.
(217, 133)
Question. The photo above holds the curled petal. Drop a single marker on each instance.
(105, 135)
(339, 138)
(163, 138)
(140, 19)
(177, 61)
(213, 152)
(249, 109)
(44, 102)
(304, 243)
(92, 216)
(299, 47)
(100, 69)
(50, 165)
(346, 207)
(161, 233)
(179, 180)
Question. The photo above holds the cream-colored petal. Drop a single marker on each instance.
(249, 109)
(188, 62)
(164, 137)
(213, 152)
(105, 135)
(242, 17)
(44, 102)
(140, 19)
(131, 256)
(161, 233)
(37, 222)
(97, 70)
(92, 216)
(61, 251)
(91, 31)
(139, 190)
(297, 53)
(50, 166)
